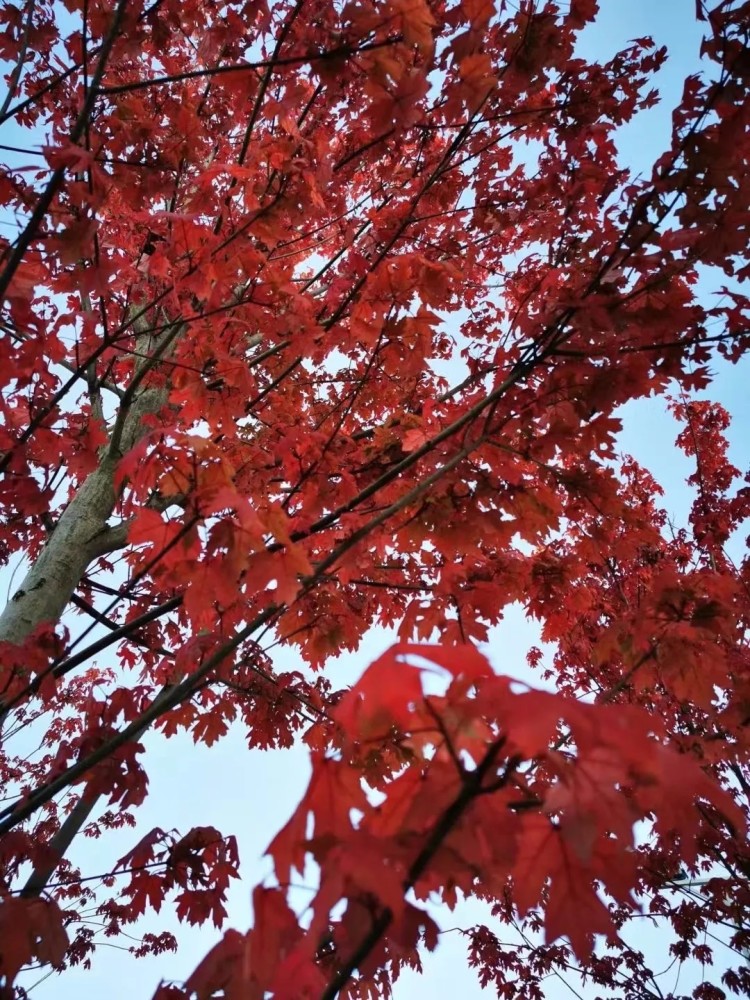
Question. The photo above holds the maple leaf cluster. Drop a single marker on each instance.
(318, 316)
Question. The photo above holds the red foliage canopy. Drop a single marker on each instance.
(319, 315)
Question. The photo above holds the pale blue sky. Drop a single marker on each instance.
(250, 793)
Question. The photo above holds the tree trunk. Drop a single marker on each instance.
(73, 543)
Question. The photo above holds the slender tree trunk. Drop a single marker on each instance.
(74, 542)
(80, 536)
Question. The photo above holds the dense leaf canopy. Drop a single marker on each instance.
(316, 316)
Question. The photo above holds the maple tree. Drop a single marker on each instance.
(250, 239)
